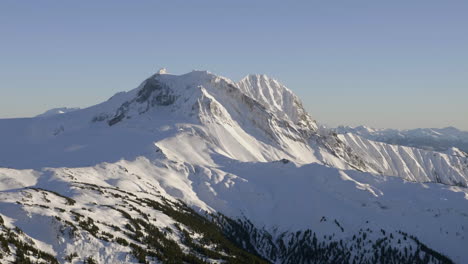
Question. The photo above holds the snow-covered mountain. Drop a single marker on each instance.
(58, 111)
(439, 139)
(196, 167)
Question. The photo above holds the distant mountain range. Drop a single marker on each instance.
(197, 168)
(58, 111)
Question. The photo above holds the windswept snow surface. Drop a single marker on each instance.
(248, 150)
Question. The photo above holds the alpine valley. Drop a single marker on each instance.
(196, 168)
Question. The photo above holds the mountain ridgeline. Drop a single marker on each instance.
(438, 139)
(197, 168)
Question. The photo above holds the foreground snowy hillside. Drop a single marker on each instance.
(439, 139)
(198, 168)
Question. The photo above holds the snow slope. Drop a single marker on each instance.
(247, 150)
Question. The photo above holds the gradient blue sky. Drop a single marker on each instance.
(399, 64)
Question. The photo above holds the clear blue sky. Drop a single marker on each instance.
(399, 64)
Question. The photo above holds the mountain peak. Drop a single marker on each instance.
(262, 78)
(162, 71)
(277, 98)
(451, 129)
(257, 76)
(247, 150)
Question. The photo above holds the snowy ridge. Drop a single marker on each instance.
(247, 150)
(409, 163)
(260, 103)
(439, 139)
(277, 98)
(58, 111)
